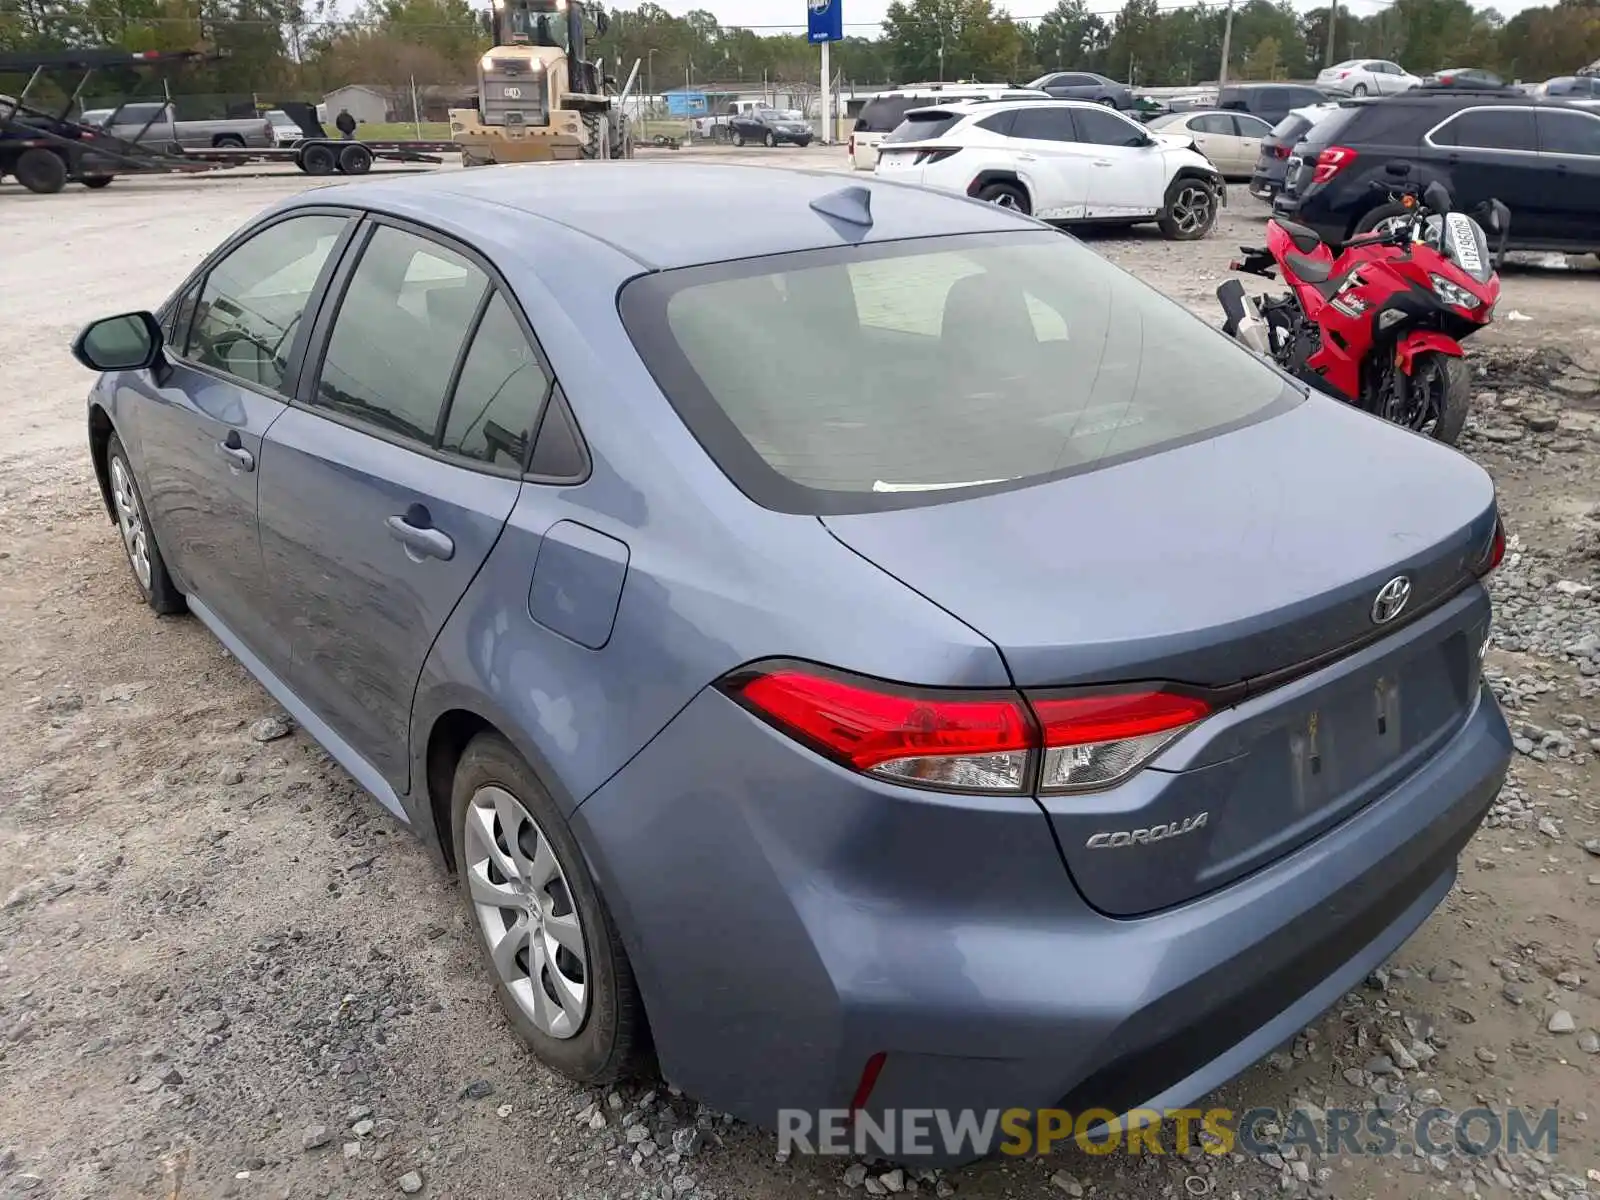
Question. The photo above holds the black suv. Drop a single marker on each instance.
(1269, 101)
(1541, 160)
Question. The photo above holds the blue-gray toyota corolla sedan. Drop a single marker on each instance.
(855, 646)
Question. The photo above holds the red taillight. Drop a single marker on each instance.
(989, 741)
(852, 145)
(1331, 161)
(1344, 74)
(1496, 553)
(1280, 151)
(1094, 740)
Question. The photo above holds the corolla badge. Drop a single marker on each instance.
(1143, 837)
(1391, 600)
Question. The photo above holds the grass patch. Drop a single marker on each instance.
(388, 131)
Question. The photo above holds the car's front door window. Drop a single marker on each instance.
(400, 330)
(251, 304)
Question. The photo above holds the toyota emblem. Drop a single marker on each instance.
(1391, 600)
(818, 6)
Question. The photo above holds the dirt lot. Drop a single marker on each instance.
(224, 972)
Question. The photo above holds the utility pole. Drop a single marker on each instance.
(1227, 42)
(1333, 30)
(827, 99)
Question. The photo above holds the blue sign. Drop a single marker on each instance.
(824, 20)
(688, 104)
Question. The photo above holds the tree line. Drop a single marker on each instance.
(305, 48)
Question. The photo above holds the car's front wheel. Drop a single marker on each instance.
(558, 965)
(138, 541)
(1190, 211)
(1006, 195)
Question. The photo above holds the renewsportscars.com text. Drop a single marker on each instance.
(911, 1132)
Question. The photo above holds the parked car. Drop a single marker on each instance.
(157, 124)
(770, 128)
(1086, 85)
(1231, 140)
(1267, 179)
(1269, 101)
(1060, 160)
(1581, 90)
(882, 115)
(1467, 77)
(733, 679)
(1541, 159)
(1367, 77)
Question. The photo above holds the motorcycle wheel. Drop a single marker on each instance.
(1445, 386)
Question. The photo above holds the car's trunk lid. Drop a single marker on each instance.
(1243, 563)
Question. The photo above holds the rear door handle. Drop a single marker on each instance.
(231, 446)
(1027, 158)
(414, 530)
(1102, 162)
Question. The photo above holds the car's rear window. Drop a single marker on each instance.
(881, 116)
(920, 126)
(1328, 128)
(1288, 130)
(886, 375)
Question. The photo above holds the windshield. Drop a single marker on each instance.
(941, 363)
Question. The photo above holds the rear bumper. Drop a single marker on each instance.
(787, 921)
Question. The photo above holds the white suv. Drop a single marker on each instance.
(883, 113)
(1060, 160)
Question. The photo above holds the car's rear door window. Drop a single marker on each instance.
(1044, 124)
(1489, 129)
(250, 306)
(498, 395)
(402, 324)
(933, 364)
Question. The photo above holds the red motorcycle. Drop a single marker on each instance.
(1380, 324)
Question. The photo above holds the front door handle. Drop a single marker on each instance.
(234, 449)
(414, 530)
(1102, 162)
(1027, 158)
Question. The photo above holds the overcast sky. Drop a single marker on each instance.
(861, 17)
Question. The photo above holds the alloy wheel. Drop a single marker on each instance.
(1191, 208)
(525, 908)
(130, 521)
(1005, 200)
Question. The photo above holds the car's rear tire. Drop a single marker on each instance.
(1380, 215)
(99, 181)
(769, 141)
(580, 1013)
(738, 138)
(1006, 195)
(1360, 89)
(138, 539)
(41, 171)
(1190, 210)
(1108, 101)
(227, 141)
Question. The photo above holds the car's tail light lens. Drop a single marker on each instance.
(934, 156)
(1331, 161)
(1280, 151)
(1096, 739)
(976, 741)
(1495, 554)
(972, 742)
(852, 145)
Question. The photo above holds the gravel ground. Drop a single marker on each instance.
(225, 972)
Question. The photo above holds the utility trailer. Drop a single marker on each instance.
(44, 150)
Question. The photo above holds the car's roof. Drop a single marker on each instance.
(1000, 105)
(664, 215)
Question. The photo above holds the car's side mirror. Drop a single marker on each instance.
(130, 342)
(1437, 197)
